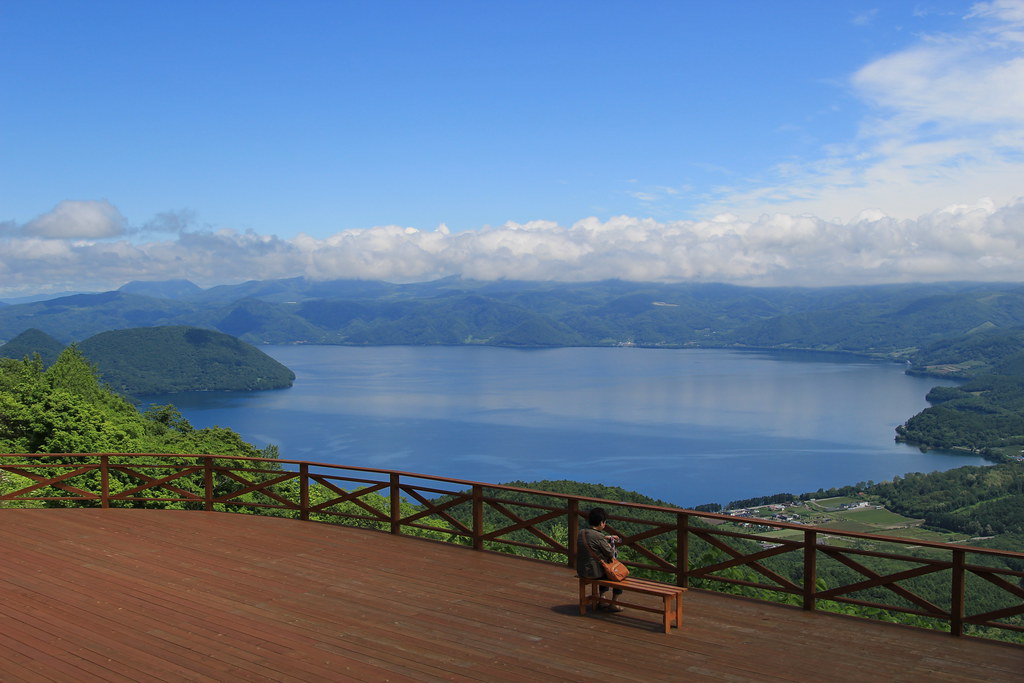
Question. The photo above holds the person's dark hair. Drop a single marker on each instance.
(596, 516)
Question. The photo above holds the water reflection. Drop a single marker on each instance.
(686, 426)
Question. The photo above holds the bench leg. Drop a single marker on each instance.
(593, 600)
(667, 612)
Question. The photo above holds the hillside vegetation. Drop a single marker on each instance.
(65, 409)
(981, 501)
(984, 413)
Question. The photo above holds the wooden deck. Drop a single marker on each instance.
(155, 595)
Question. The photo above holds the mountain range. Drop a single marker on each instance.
(886, 320)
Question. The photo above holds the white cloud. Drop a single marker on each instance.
(946, 124)
(1010, 14)
(978, 241)
(78, 219)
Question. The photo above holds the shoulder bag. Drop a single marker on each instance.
(614, 570)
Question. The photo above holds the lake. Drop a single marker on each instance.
(683, 426)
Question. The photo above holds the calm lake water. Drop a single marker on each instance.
(684, 426)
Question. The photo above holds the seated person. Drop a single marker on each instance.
(592, 545)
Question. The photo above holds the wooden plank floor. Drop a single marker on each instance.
(155, 595)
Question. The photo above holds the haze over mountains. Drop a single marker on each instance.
(882, 319)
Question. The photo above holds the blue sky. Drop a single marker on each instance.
(795, 142)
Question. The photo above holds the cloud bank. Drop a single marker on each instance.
(979, 242)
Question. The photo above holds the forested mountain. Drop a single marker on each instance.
(891, 324)
(882, 320)
(33, 341)
(160, 360)
(73, 318)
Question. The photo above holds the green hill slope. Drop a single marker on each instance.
(982, 352)
(984, 414)
(33, 341)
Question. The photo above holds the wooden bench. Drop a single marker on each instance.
(672, 597)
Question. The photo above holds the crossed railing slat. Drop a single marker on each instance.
(42, 482)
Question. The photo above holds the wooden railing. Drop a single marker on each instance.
(965, 589)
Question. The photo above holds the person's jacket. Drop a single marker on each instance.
(587, 565)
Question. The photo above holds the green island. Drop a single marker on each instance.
(164, 360)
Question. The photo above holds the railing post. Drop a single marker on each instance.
(573, 512)
(478, 517)
(208, 483)
(810, 569)
(396, 504)
(682, 549)
(104, 481)
(304, 492)
(956, 603)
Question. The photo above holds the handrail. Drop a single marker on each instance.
(822, 569)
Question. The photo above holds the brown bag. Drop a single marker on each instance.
(614, 570)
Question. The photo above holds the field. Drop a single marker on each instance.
(840, 514)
